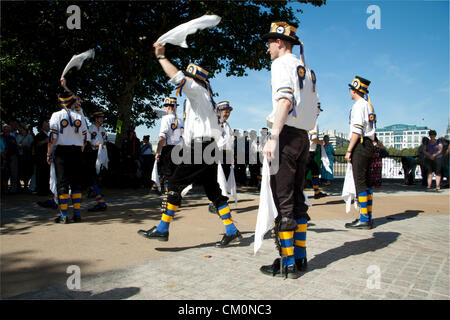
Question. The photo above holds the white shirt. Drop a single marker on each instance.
(285, 83)
(313, 134)
(63, 132)
(201, 119)
(97, 135)
(226, 141)
(359, 119)
(170, 130)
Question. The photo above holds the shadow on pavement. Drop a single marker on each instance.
(65, 294)
(243, 243)
(378, 241)
(408, 214)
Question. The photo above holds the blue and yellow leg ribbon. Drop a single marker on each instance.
(369, 203)
(300, 239)
(98, 195)
(225, 215)
(76, 201)
(363, 212)
(167, 217)
(287, 247)
(315, 183)
(64, 204)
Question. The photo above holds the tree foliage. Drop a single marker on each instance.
(124, 78)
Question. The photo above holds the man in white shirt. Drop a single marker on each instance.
(201, 132)
(360, 150)
(225, 143)
(170, 135)
(67, 137)
(97, 140)
(294, 100)
(312, 164)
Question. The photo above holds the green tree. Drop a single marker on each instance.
(124, 77)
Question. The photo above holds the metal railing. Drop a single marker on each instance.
(391, 167)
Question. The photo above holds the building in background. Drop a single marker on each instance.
(337, 139)
(402, 136)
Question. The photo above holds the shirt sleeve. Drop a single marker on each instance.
(357, 120)
(185, 84)
(54, 127)
(282, 85)
(164, 128)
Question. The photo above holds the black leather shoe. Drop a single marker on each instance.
(357, 224)
(153, 233)
(212, 208)
(76, 218)
(98, 208)
(320, 195)
(275, 270)
(302, 264)
(62, 220)
(226, 240)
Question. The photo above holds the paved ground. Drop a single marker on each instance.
(405, 257)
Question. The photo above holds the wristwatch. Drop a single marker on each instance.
(161, 57)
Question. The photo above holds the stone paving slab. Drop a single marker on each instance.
(399, 259)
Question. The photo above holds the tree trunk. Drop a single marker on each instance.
(125, 106)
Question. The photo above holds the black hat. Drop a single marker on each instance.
(282, 30)
(360, 84)
(318, 106)
(170, 101)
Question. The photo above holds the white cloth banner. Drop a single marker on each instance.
(155, 176)
(267, 212)
(102, 158)
(77, 61)
(177, 36)
(325, 160)
(349, 189)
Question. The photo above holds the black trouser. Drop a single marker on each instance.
(226, 163)
(312, 164)
(167, 165)
(148, 161)
(90, 158)
(362, 155)
(68, 161)
(287, 183)
(42, 175)
(203, 174)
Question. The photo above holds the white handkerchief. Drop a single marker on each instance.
(267, 212)
(325, 160)
(349, 189)
(77, 60)
(155, 175)
(177, 36)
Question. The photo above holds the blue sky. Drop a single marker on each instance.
(407, 60)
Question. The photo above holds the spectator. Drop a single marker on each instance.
(433, 159)
(40, 154)
(131, 149)
(376, 167)
(409, 169)
(11, 164)
(445, 162)
(147, 161)
(329, 149)
(26, 167)
(239, 158)
(253, 166)
(421, 161)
